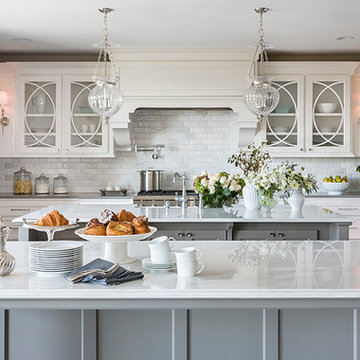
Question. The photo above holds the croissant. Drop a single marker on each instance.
(141, 225)
(115, 228)
(53, 218)
(94, 227)
(124, 215)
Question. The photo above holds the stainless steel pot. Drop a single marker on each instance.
(151, 180)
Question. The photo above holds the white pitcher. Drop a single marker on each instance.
(251, 197)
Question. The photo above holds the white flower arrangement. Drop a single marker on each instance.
(269, 180)
(297, 180)
(218, 188)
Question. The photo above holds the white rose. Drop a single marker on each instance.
(204, 173)
(222, 180)
(212, 181)
(238, 187)
(233, 184)
(204, 182)
(212, 189)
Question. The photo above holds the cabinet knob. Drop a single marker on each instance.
(301, 149)
(272, 235)
(310, 149)
(181, 235)
(189, 235)
(281, 235)
(67, 150)
(58, 150)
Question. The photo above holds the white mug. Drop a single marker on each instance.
(188, 254)
(160, 257)
(160, 250)
(189, 269)
(160, 243)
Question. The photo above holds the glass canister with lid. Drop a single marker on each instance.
(60, 184)
(22, 182)
(42, 184)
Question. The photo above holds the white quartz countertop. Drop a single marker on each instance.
(234, 271)
(282, 213)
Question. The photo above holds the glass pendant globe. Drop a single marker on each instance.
(261, 99)
(105, 99)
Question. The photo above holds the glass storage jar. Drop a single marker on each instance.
(60, 184)
(42, 184)
(22, 182)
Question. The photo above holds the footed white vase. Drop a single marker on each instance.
(251, 197)
(296, 200)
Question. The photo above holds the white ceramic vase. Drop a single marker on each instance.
(296, 200)
(40, 102)
(251, 197)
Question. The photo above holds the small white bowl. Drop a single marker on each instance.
(326, 107)
(336, 188)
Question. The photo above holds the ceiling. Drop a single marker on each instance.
(72, 26)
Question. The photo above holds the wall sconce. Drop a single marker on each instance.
(4, 121)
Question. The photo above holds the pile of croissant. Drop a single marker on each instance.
(52, 218)
(123, 223)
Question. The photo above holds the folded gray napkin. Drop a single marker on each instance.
(120, 276)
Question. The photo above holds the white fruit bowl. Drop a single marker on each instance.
(336, 188)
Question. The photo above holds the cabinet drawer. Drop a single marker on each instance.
(275, 235)
(205, 235)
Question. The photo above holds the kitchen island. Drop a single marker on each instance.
(269, 300)
(231, 223)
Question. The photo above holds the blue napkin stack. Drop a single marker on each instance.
(120, 276)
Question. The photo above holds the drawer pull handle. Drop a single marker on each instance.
(189, 235)
(181, 235)
(19, 209)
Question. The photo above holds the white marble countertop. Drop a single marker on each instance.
(276, 270)
(282, 213)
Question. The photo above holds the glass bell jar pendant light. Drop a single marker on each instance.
(105, 98)
(260, 97)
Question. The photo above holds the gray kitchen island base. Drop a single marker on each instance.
(169, 334)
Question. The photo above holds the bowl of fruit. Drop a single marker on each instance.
(336, 185)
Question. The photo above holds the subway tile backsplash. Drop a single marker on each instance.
(195, 140)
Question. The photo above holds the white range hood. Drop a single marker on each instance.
(182, 79)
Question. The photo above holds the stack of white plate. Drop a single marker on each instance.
(149, 265)
(58, 257)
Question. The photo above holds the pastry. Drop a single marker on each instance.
(52, 218)
(141, 225)
(119, 228)
(94, 227)
(106, 216)
(124, 215)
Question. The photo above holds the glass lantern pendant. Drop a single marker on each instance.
(261, 98)
(105, 98)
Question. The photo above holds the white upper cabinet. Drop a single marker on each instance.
(55, 119)
(328, 113)
(39, 114)
(83, 132)
(284, 127)
(313, 117)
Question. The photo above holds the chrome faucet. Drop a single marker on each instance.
(183, 197)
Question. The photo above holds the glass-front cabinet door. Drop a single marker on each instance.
(328, 115)
(84, 132)
(284, 127)
(39, 115)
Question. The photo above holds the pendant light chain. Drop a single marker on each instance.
(106, 52)
(260, 97)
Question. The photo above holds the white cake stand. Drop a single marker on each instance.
(116, 247)
(50, 230)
